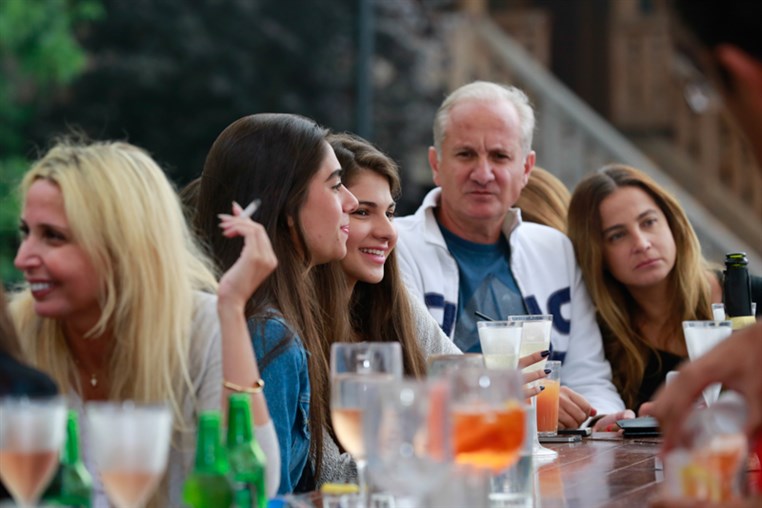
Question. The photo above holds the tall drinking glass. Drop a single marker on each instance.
(700, 337)
(355, 369)
(130, 444)
(500, 342)
(535, 336)
(31, 435)
(407, 437)
(487, 417)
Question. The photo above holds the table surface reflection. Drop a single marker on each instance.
(601, 471)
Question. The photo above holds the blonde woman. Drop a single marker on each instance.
(544, 200)
(120, 302)
(642, 263)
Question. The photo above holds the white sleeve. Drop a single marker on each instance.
(586, 370)
(409, 269)
(268, 441)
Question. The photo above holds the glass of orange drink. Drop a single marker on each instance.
(487, 417)
(547, 401)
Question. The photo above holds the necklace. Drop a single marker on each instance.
(93, 376)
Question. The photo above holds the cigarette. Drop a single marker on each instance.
(249, 210)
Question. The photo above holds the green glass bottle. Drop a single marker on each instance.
(245, 456)
(208, 485)
(72, 485)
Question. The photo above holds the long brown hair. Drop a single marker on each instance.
(689, 292)
(379, 312)
(273, 157)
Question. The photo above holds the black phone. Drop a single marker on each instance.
(576, 432)
(576, 438)
(644, 426)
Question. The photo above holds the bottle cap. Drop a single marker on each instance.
(338, 489)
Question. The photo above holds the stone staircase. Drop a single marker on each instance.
(572, 140)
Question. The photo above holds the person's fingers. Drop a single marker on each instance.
(570, 415)
(531, 391)
(578, 400)
(526, 361)
(645, 409)
(533, 375)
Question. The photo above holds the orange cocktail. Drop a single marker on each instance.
(488, 438)
(547, 408)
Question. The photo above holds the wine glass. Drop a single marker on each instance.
(31, 434)
(355, 368)
(535, 336)
(130, 444)
(487, 417)
(700, 337)
(407, 437)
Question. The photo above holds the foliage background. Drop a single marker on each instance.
(169, 75)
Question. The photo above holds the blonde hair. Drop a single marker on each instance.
(544, 200)
(690, 295)
(487, 91)
(125, 215)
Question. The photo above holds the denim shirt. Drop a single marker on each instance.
(287, 391)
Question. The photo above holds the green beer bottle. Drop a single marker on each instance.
(245, 456)
(72, 485)
(208, 485)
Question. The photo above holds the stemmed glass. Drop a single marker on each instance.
(130, 444)
(31, 434)
(700, 337)
(535, 336)
(355, 368)
(408, 438)
(487, 417)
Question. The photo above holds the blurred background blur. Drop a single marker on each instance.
(168, 75)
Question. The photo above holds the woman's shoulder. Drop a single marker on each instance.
(272, 336)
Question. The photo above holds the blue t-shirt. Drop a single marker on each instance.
(486, 285)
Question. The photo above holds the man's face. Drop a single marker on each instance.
(481, 168)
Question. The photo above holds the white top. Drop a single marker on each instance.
(206, 373)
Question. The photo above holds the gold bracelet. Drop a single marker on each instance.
(259, 385)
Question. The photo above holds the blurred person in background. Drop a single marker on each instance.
(544, 200)
(725, 38)
(285, 161)
(119, 301)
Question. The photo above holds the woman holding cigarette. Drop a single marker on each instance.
(120, 301)
(284, 161)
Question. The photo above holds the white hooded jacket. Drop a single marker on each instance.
(543, 264)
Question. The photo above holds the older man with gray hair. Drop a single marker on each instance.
(466, 249)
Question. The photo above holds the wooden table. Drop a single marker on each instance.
(603, 471)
